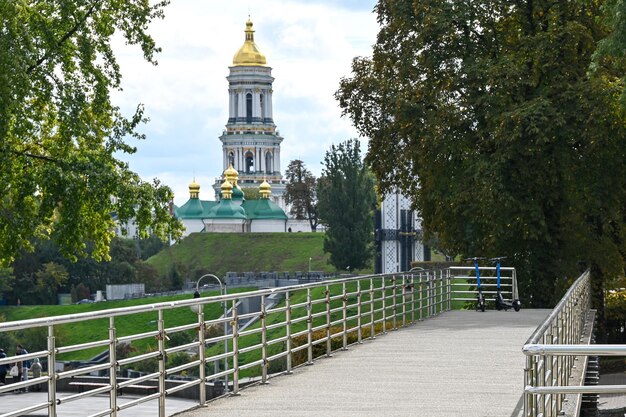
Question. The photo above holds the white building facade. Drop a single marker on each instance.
(398, 235)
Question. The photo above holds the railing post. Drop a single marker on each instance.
(394, 306)
(309, 307)
(113, 367)
(264, 341)
(411, 285)
(52, 381)
(162, 358)
(235, 326)
(328, 338)
(421, 296)
(201, 355)
(359, 312)
(288, 330)
(372, 305)
(384, 300)
(404, 290)
(345, 317)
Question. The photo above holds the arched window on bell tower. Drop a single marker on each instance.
(268, 163)
(249, 163)
(248, 108)
(231, 159)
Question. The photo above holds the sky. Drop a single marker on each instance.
(309, 44)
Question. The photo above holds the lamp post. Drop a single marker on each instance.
(310, 259)
(196, 294)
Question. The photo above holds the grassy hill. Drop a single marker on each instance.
(223, 252)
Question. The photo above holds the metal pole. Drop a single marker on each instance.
(161, 344)
(309, 325)
(235, 326)
(52, 382)
(113, 368)
(201, 355)
(263, 341)
(288, 330)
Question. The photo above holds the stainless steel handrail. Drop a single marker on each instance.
(324, 316)
(552, 350)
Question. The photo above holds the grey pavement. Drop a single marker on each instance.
(91, 405)
(462, 363)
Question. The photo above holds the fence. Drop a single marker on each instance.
(312, 320)
(557, 354)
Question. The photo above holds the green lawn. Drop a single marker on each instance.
(223, 252)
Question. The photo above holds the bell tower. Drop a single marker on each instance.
(250, 142)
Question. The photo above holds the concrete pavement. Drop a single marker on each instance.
(89, 406)
(462, 363)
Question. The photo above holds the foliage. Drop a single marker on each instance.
(301, 193)
(26, 282)
(60, 134)
(48, 280)
(616, 316)
(346, 200)
(251, 193)
(486, 114)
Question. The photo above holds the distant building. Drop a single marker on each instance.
(232, 213)
(251, 142)
(398, 236)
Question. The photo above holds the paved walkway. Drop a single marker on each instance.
(88, 406)
(462, 363)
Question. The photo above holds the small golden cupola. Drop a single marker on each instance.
(231, 175)
(194, 189)
(227, 190)
(265, 189)
(249, 54)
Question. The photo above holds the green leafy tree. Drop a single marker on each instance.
(48, 281)
(60, 134)
(486, 113)
(346, 199)
(301, 193)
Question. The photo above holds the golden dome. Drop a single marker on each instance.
(227, 190)
(194, 189)
(231, 175)
(265, 189)
(249, 54)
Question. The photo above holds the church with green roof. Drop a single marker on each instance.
(232, 213)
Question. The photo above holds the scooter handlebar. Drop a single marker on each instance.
(498, 259)
(474, 259)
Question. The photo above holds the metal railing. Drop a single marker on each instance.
(464, 283)
(557, 354)
(312, 320)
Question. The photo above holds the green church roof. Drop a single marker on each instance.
(264, 209)
(227, 209)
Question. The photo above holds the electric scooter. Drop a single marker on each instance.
(501, 304)
(480, 298)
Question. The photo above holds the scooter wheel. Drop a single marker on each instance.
(517, 305)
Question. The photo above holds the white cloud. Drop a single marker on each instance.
(309, 45)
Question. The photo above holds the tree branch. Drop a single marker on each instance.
(64, 38)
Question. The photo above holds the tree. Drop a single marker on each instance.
(486, 113)
(48, 281)
(346, 200)
(301, 193)
(60, 134)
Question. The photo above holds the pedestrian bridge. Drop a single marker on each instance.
(385, 344)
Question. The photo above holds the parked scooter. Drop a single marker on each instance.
(501, 304)
(480, 298)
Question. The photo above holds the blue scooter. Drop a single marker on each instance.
(501, 304)
(480, 298)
